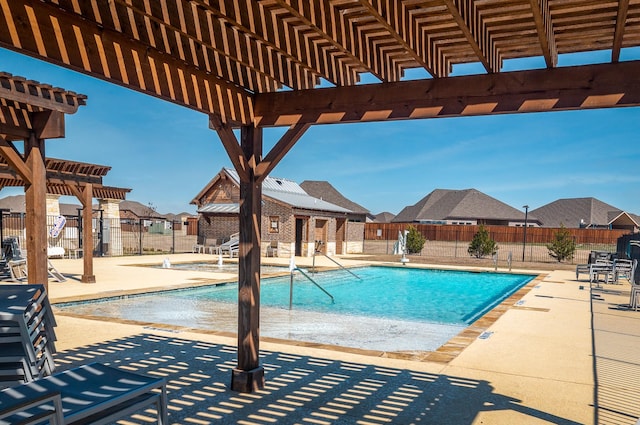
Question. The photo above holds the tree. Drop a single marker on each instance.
(482, 244)
(415, 241)
(562, 247)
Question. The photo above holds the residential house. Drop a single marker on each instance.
(589, 213)
(464, 207)
(383, 217)
(324, 190)
(291, 218)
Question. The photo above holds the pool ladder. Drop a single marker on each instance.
(310, 279)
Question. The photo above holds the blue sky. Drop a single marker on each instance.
(166, 153)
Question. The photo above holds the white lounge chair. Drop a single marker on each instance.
(231, 246)
(18, 270)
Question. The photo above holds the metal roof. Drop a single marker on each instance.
(220, 209)
(282, 190)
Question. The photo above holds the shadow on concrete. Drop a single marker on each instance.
(615, 331)
(299, 389)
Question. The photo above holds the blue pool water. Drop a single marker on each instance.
(453, 297)
(388, 308)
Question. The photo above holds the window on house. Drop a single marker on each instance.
(274, 224)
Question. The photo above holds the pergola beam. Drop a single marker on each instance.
(557, 89)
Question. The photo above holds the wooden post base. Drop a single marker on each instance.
(247, 381)
(88, 278)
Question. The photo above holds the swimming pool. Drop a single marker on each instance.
(387, 308)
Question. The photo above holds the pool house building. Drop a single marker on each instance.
(293, 222)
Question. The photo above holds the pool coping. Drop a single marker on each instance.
(442, 355)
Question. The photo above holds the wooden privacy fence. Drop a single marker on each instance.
(452, 241)
(505, 234)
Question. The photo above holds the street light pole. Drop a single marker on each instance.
(524, 238)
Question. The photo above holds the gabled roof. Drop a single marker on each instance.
(139, 209)
(384, 217)
(574, 212)
(324, 190)
(282, 190)
(468, 204)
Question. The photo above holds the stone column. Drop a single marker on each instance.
(53, 211)
(53, 205)
(112, 231)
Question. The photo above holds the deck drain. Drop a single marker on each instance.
(521, 302)
(485, 335)
(154, 328)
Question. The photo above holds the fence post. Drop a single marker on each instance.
(140, 229)
(455, 250)
(173, 236)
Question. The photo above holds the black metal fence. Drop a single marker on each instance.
(111, 237)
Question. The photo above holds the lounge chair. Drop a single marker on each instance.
(212, 246)
(604, 268)
(18, 270)
(231, 246)
(198, 247)
(622, 268)
(26, 334)
(601, 267)
(634, 298)
(93, 393)
(46, 407)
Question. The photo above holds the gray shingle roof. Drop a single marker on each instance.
(469, 204)
(325, 190)
(384, 217)
(570, 212)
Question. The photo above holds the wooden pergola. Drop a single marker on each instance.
(258, 63)
(33, 112)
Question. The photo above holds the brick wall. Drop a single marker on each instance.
(355, 237)
(218, 227)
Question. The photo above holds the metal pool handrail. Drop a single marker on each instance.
(338, 264)
(312, 281)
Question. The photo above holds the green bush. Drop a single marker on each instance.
(415, 241)
(482, 244)
(563, 247)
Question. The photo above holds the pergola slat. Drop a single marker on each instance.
(160, 75)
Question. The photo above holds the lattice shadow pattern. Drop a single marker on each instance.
(299, 389)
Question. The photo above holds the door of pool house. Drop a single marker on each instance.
(341, 231)
(320, 234)
(300, 223)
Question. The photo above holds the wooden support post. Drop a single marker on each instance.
(252, 170)
(36, 212)
(87, 234)
(248, 376)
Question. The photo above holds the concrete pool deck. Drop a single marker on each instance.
(561, 352)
